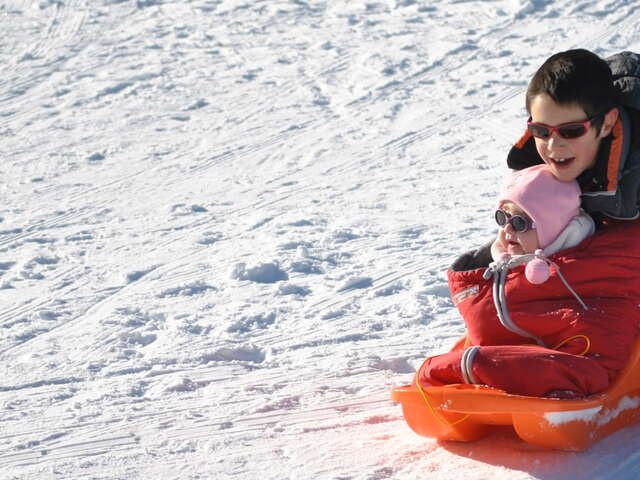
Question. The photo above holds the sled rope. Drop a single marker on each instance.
(425, 397)
(567, 340)
(564, 342)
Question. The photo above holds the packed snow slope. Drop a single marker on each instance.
(225, 225)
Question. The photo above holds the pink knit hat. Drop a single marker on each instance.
(550, 203)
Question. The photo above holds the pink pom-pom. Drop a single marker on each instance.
(537, 271)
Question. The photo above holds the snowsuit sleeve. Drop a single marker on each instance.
(521, 370)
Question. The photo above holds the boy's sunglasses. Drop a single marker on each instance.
(519, 223)
(568, 131)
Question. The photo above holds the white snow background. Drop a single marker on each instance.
(225, 225)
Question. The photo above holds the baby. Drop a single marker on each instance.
(523, 316)
(535, 212)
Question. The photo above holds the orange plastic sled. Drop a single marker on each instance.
(465, 413)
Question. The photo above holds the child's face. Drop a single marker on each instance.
(516, 243)
(566, 158)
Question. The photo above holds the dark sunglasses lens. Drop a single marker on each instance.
(538, 131)
(519, 224)
(572, 131)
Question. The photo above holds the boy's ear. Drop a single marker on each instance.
(610, 119)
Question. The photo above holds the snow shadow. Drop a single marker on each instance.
(504, 448)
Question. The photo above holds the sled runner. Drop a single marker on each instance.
(464, 413)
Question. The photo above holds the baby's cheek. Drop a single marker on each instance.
(529, 241)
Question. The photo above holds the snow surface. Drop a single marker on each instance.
(585, 415)
(595, 414)
(224, 228)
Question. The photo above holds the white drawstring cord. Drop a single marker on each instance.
(566, 284)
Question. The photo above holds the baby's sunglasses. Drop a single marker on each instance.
(519, 223)
(568, 131)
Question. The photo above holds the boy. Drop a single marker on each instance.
(521, 320)
(578, 128)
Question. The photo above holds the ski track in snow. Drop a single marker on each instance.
(225, 226)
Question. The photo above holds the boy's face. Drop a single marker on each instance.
(513, 242)
(567, 158)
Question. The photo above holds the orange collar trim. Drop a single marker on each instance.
(524, 139)
(615, 154)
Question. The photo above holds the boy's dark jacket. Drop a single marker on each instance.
(612, 186)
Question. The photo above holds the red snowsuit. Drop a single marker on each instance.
(544, 342)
